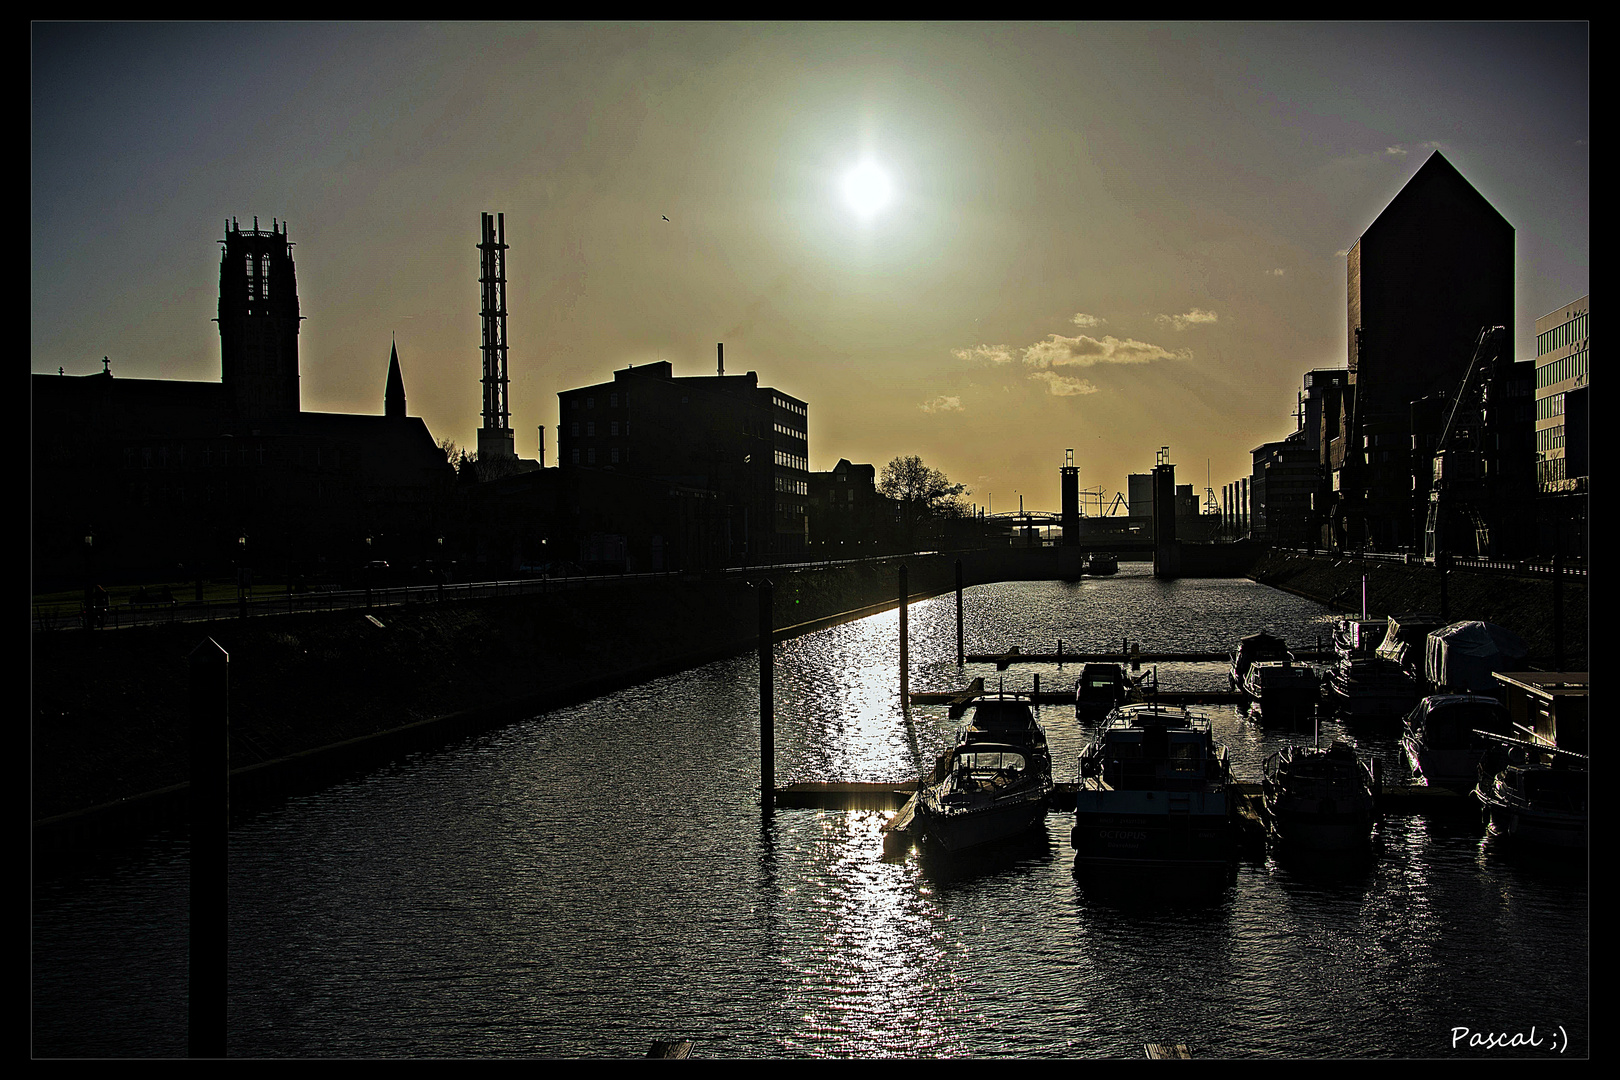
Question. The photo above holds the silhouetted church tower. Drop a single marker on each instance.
(394, 393)
(258, 321)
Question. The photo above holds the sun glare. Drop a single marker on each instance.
(867, 189)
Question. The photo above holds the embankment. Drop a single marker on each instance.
(1521, 603)
(315, 695)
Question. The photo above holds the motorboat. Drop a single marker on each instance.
(1440, 741)
(1100, 690)
(982, 792)
(1406, 639)
(1251, 650)
(1010, 719)
(1103, 562)
(1539, 797)
(1367, 689)
(1153, 789)
(1286, 692)
(1324, 799)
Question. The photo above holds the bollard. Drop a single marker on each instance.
(905, 644)
(210, 824)
(1037, 692)
(1060, 654)
(767, 703)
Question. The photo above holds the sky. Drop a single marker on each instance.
(1104, 237)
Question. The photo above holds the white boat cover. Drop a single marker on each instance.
(1462, 656)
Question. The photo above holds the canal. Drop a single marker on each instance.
(585, 882)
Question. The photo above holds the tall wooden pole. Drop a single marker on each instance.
(767, 700)
(210, 834)
(905, 644)
(960, 656)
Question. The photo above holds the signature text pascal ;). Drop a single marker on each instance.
(1556, 1042)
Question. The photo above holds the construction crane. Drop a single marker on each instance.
(1459, 485)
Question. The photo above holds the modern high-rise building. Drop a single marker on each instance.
(1563, 355)
(1430, 272)
(721, 433)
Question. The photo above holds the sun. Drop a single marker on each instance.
(867, 189)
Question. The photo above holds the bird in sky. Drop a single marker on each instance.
(666, 218)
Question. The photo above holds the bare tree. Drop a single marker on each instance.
(921, 493)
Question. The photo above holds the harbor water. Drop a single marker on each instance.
(582, 883)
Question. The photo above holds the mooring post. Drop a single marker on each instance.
(1037, 692)
(905, 644)
(210, 825)
(767, 702)
(960, 656)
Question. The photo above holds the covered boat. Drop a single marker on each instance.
(1103, 562)
(1154, 788)
(983, 792)
(1010, 719)
(1321, 799)
(1463, 658)
(1440, 739)
(1405, 640)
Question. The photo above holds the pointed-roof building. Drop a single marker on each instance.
(394, 393)
(1432, 269)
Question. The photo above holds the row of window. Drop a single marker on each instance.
(792, 461)
(790, 406)
(613, 401)
(1550, 439)
(790, 486)
(615, 427)
(1575, 330)
(1572, 366)
(792, 433)
(1550, 406)
(613, 456)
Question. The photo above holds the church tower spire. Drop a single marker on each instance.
(394, 394)
(258, 321)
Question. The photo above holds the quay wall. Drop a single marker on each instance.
(314, 695)
(1522, 603)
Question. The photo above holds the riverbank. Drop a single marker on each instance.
(1521, 603)
(315, 695)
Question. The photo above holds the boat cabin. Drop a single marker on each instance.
(1551, 704)
(1154, 747)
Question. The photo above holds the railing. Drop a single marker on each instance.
(1539, 567)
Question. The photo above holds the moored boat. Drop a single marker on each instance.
(983, 792)
(1440, 740)
(1324, 799)
(1539, 797)
(1153, 788)
(1367, 689)
(1100, 690)
(1286, 692)
(1255, 648)
(1102, 562)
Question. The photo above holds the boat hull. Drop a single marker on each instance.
(1151, 827)
(1541, 828)
(963, 830)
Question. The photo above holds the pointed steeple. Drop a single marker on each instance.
(394, 395)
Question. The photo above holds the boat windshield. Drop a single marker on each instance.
(990, 760)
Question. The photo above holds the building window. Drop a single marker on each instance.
(613, 455)
(590, 456)
(590, 427)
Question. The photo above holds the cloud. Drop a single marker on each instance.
(1192, 318)
(1395, 151)
(1085, 351)
(995, 354)
(942, 404)
(1059, 385)
(1278, 272)
(1082, 319)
